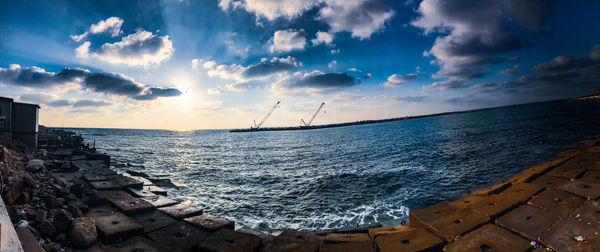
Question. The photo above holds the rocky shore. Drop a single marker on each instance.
(65, 197)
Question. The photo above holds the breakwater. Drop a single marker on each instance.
(66, 197)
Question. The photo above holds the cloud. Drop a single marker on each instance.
(106, 83)
(411, 98)
(314, 83)
(111, 25)
(332, 64)
(446, 84)
(474, 34)
(510, 71)
(195, 63)
(287, 40)
(234, 87)
(270, 9)
(334, 51)
(91, 103)
(35, 77)
(562, 63)
(361, 18)
(262, 70)
(140, 48)
(396, 80)
(59, 103)
(322, 38)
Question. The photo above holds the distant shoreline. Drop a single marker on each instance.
(364, 122)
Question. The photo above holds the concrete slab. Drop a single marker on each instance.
(181, 211)
(105, 185)
(589, 211)
(571, 234)
(346, 237)
(491, 206)
(585, 189)
(591, 176)
(495, 189)
(457, 223)
(556, 201)
(229, 240)
(127, 181)
(550, 181)
(536, 171)
(126, 203)
(117, 226)
(374, 232)
(94, 177)
(28, 241)
(528, 221)
(100, 210)
(419, 217)
(178, 236)
(156, 190)
(153, 220)
(489, 238)
(292, 241)
(210, 223)
(568, 173)
(403, 238)
(159, 201)
(140, 193)
(360, 246)
(522, 191)
(137, 243)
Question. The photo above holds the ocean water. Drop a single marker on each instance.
(328, 178)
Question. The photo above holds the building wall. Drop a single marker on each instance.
(24, 118)
(29, 139)
(5, 110)
(5, 138)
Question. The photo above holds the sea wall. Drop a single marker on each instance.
(66, 196)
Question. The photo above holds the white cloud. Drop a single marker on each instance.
(287, 40)
(322, 38)
(195, 63)
(111, 25)
(361, 18)
(263, 70)
(140, 48)
(270, 9)
(396, 80)
(446, 84)
(334, 51)
(83, 50)
(234, 87)
(332, 64)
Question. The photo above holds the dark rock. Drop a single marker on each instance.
(47, 229)
(62, 220)
(52, 247)
(83, 232)
(74, 210)
(62, 239)
(34, 165)
(40, 215)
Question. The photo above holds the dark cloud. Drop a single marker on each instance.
(91, 103)
(112, 83)
(153, 93)
(411, 98)
(510, 71)
(275, 65)
(446, 84)
(59, 103)
(328, 80)
(36, 77)
(562, 63)
(531, 14)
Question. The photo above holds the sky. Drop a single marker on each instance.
(218, 64)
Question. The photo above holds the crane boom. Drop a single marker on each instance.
(266, 116)
(313, 117)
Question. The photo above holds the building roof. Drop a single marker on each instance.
(27, 104)
(6, 98)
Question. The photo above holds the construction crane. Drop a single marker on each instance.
(256, 126)
(313, 117)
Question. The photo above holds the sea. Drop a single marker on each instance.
(338, 177)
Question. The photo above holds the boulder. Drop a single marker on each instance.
(62, 220)
(34, 165)
(83, 232)
(47, 229)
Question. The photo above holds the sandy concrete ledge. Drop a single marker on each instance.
(79, 204)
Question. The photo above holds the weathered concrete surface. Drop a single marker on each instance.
(404, 238)
(117, 226)
(178, 236)
(210, 223)
(528, 221)
(181, 211)
(489, 238)
(229, 240)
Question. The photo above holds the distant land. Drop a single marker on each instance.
(363, 122)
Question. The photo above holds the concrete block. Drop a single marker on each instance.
(126, 203)
(159, 201)
(374, 232)
(550, 181)
(522, 191)
(339, 237)
(28, 241)
(292, 241)
(589, 212)
(528, 221)
(403, 238)
(592, 176)
(210, 223)
(156, 190)
(137, 243)
(457, 223)
(568, 173)
(495, 189)
(153, 220)
(489, 238)
(358, 246)
(94, 177)
(491, 206)
(226, 240)
(124, 181)
(556, 201)
(117, 226)
(571, 234)
(140, 193)
(100, 210)
(178, 236)
(105, 185)
(181, 211)
(585, 189)
(419, 217)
